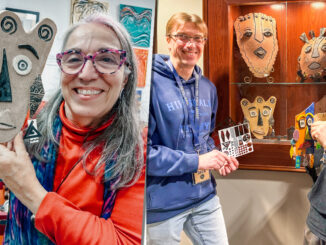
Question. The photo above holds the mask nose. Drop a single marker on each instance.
(5, 88)
(260, 120)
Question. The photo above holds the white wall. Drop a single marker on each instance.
(260, 207)
(59, 12)
(166, 8)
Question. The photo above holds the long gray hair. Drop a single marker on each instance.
(121, 140)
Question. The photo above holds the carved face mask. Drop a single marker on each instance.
(259, 114)
(22, 59)
(302, 125)
(257, 41)
(312, 59)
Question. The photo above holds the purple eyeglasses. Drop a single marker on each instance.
(105, 61)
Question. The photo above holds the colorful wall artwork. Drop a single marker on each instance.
(137, 21)
(142, 56)
(83, 8)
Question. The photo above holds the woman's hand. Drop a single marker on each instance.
(218, 161)
(318, 132)
(17, 172)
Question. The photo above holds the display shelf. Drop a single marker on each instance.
(225, 66)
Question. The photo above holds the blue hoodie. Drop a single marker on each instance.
(171, 158)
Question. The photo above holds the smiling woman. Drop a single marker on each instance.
(85, 177)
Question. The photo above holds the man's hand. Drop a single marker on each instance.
(218, 161)
(318, 132)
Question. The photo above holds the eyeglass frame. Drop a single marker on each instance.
(92, 58)
(174, 37)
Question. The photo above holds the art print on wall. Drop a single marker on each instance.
(137, 21)
(142, 56)
(83, 8)
(27, 17)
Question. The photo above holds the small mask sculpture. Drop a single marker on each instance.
(257, 41)
(302, 144)
(259, 114)
(312, 59)
(22, 59)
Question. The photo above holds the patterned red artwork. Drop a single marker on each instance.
(142, 55)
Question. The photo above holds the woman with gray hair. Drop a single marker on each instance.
(83, 182)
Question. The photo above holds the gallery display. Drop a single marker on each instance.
(273, 56)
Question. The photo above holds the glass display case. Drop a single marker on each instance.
(267, 60)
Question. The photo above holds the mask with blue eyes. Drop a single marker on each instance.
(312, 59)
(22, 59)
(257, 41)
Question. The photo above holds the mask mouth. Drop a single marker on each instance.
(6, 122)
(260, 52)
(258, 131)
(314, 66)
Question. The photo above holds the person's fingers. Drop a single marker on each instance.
(19, 146)
(227, 170)
(235, 163)
(222, 171)
(10, 145)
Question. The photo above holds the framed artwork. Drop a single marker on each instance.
(142, 56)
(137, 21)
(27, 17)
(83, 8)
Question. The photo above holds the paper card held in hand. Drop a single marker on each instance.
(236, 140)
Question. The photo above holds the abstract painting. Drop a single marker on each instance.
(137, 21)
(142, 55)
(83, 8)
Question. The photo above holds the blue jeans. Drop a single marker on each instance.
(203, 225)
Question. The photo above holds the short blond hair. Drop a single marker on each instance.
(181, 18)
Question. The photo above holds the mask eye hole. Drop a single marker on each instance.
(247, 34)
(309, 121)
(302, 123)
(22, 65)
(323, 48)
(308, 49)
(266, 112)
(268, 34)
(253, 113)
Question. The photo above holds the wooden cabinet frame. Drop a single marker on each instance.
(219, 68)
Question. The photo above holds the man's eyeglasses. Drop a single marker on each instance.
(185, 38)
(105, 61)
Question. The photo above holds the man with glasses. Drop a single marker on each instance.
(180, 189)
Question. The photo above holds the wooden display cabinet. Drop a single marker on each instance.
(225, 67)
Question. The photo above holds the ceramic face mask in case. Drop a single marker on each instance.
(257, 41)
(312, 59)
(259, 114)
(22, 59)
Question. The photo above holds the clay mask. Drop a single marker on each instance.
(259, 114)
(257, 41)
(22, 59)
(312, 59)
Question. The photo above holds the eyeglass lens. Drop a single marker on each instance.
(105, 62)
(186, 38)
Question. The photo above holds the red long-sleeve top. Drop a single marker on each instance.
(71, 215)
